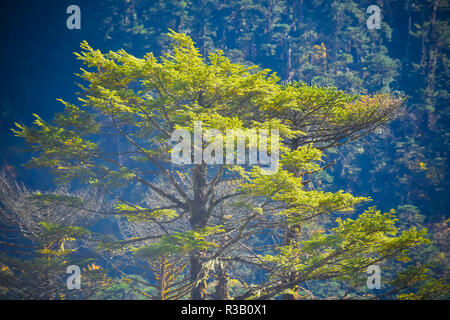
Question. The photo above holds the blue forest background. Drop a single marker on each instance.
(403, 165)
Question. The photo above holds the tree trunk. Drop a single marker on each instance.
(199, 291)
(222, 292)
(408, 36)
(432, 57)
(290, 236)
(199, 219)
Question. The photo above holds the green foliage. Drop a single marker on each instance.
(180, 243)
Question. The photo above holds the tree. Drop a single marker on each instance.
(224, 216)
(40, 239)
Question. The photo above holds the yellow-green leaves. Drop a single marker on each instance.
(348, 248)
(140, 214)
(303, 159)
(76, 119)
(61, 149)
(181, 243)
(50, 198)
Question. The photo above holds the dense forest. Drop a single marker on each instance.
(362, 116)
